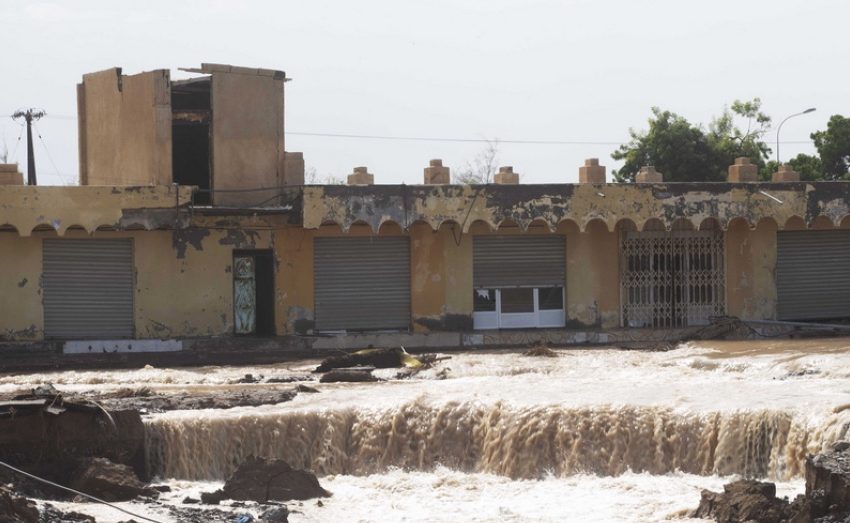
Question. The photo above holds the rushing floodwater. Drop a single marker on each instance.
(592, 435)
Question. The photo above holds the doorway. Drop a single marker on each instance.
(253, 292)
(671, 279)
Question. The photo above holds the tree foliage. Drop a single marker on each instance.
(833, 146)
(686, 152)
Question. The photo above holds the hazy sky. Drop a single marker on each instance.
(580, 71)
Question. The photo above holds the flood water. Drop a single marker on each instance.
(590, 435)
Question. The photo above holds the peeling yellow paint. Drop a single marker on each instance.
(88, 207)
(580, 204)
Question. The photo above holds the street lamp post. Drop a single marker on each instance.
(807, 111)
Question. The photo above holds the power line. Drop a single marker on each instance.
(441, 138)
(458, 140)
(473, 140)
(49, 156)
(18, 141)
(48, 482)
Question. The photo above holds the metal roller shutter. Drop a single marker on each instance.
(813, 274)
(88, 289)
(362, 283)
(518, 261)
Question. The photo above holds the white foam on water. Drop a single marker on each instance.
(590, 435)
(444, 495)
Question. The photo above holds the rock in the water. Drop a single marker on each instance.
(744, 500)
(348, 376)
(201, 515)
(544, 352)
(18, 509)
(51, 514)
(830, 473)
(264, 479)
(275, 515)
(101, 478)
(15, 508)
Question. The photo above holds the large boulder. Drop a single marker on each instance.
(744, 500)
(265, 479)
(110, 481)
(829, 473)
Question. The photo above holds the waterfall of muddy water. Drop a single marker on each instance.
(592, 435)
(718, 409)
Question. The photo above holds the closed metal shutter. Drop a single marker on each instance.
(88, 289)
(518, 261)
(362, 283)
(813, 274)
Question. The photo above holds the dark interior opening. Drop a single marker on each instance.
(190, 148)
(264, 263)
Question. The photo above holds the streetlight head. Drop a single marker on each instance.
(810, 110)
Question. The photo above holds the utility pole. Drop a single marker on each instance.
(29, 115)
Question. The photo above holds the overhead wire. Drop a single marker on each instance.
(18, 141)
(49, 156)
(89, 496)
(359, 136)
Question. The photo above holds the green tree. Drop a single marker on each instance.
(809, 167)
(673, 145)
(833, 146)
(685, 152)
(730, 141)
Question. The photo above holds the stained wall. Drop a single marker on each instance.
(125, 128)
(247, 136)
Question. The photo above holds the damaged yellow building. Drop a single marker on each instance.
(193, 223)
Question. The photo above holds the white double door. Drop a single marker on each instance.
(519, 307)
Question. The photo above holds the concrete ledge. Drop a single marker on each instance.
(237, 350)
(95, 346)
(436, 340)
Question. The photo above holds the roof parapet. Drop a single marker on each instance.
(743, 170)
(506, 176)
(591, 172)
(785, 173)
(436, 174)
(648, 174)
(361, 176)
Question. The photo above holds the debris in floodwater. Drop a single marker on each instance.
(544, 352)
(376, 359)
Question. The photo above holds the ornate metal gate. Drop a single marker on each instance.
(244, 295)
(671, 278)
